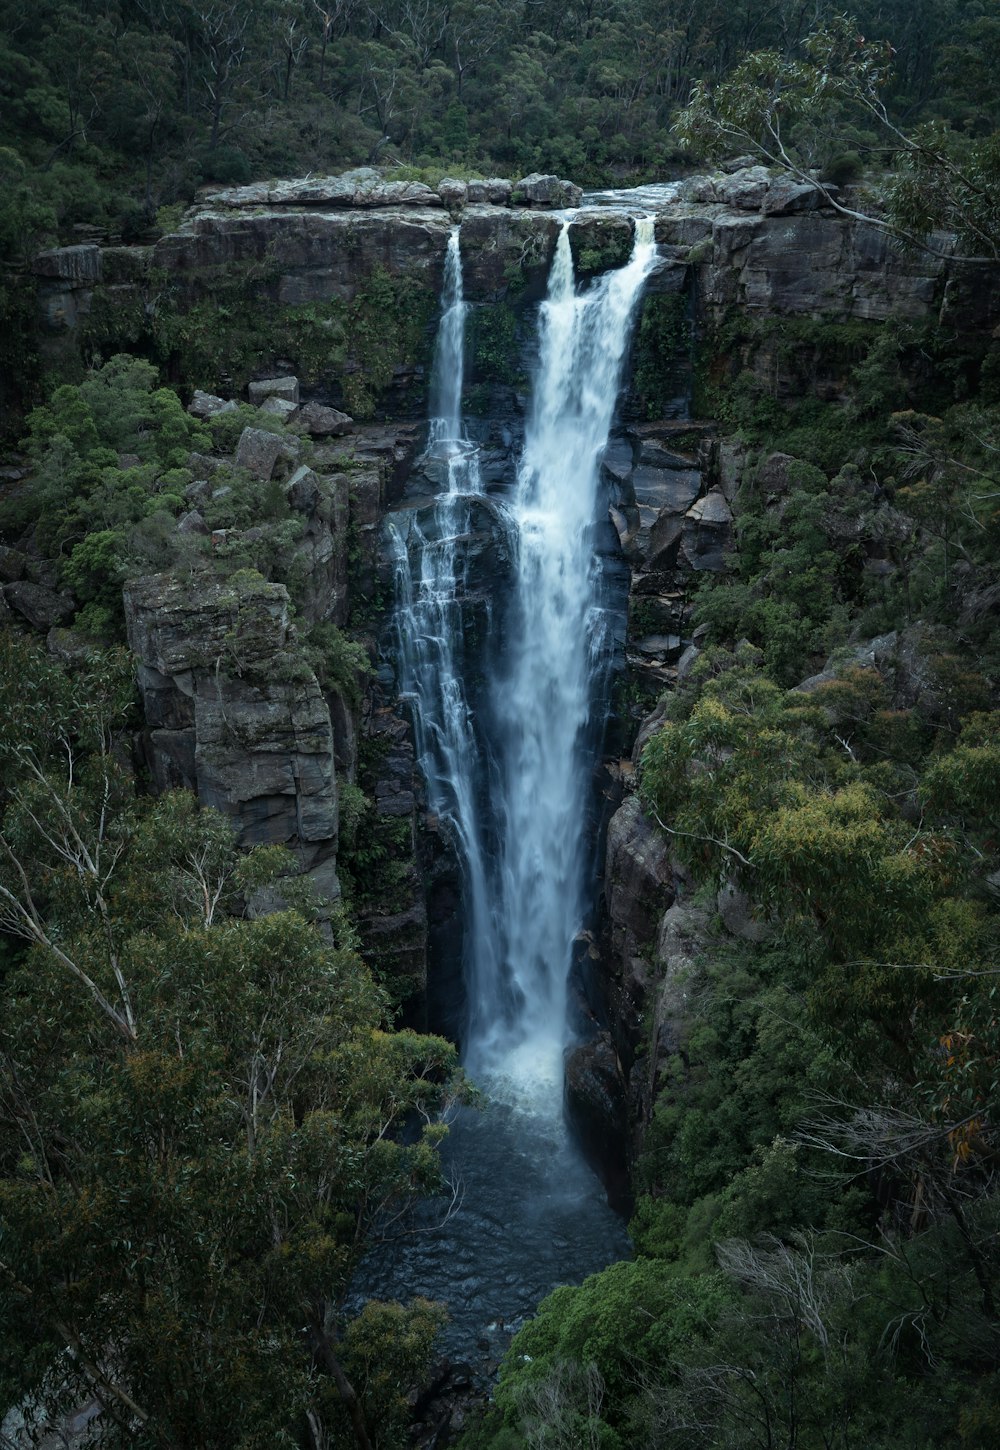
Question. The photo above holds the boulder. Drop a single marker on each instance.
(617, 460)
(323, 422)
(12, 564)
(546, 192)
(43, 608)
(177, 626)
(772, 475)
(881, 654)
(203, 465)
(258, 452)
(280, 408)
(78, 266)
(787, 194)
(287, 388)
(303, 490)
(736, 911)
(707, 538)
(672, 490)
(207, 405)
(731, 460)
(192, 523)
(452, 191)
(687, 662)
(745, 189)
(639, 879)
(680, 940)
(228, 717)
(362, 187)
(72, 647)
(494, 191)
(664, 647)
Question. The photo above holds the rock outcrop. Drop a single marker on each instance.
(233, 713)
(364, 187)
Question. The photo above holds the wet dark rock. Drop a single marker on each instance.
(595, 1100)
(617, 460)
(498, 245)
(40, 606)
(600, 240)
(322, 422)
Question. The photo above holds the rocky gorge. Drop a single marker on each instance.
(317, 299)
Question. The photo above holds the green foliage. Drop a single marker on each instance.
(216, 1110)
(388, 324)
(494, 345)
(613, 1327)
(661, 349)
(340, 663)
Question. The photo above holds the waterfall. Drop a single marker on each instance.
(507, 740)
(430, 569)
(513, 790)
(546, 696)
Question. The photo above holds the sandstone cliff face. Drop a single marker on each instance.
(232, 715)
(763, 244)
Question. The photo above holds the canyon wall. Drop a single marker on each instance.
(335, 282)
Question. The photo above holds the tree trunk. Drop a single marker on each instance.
(328, 1361)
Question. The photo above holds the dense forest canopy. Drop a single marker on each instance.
(111, 111)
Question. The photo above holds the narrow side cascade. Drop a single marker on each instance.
(431, 578)
(548, 698)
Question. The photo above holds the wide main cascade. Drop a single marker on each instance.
(550, 692)
(509, 773)
(507, 744)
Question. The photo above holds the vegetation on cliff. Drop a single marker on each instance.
(201, 1108)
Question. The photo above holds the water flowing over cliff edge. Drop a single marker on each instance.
(508, 764)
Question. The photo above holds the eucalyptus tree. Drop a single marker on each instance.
(202, 1111)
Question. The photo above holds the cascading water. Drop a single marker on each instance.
(547, 694)
(511, 783)
(430, 588)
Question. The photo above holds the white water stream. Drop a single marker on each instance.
(508, 768)
(547, 693)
